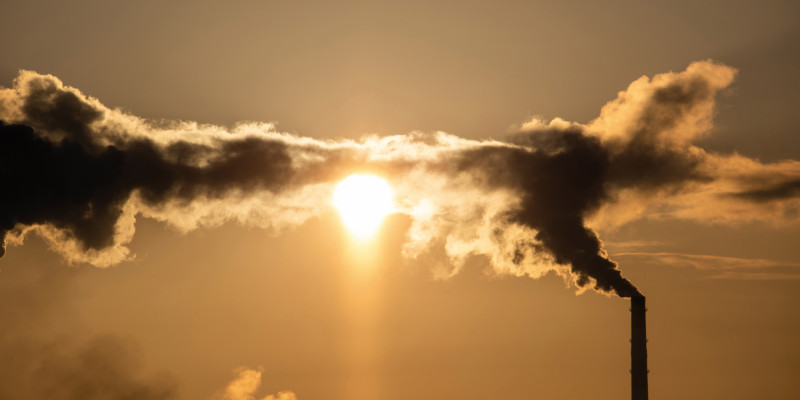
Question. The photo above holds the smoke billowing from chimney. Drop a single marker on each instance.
(78, 174)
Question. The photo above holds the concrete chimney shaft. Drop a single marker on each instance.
(638, 349)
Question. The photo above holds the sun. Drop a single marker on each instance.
(363, 201)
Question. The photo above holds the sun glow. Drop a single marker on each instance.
(363, 201)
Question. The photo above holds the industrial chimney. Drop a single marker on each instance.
(638, 349)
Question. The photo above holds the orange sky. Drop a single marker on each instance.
(327, 318)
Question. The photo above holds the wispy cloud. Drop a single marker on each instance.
(723, 267)
(755, 276)
(629, 245)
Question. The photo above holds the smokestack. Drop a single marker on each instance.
(638, 349)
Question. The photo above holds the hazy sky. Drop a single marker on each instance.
(192, 312)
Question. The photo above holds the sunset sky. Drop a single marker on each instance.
(176, 226)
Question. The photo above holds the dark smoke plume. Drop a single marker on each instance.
(78, 174)
(561, 182)
(81, 187)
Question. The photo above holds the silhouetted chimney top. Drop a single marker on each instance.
(638, 349)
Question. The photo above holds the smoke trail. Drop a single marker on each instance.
(46, 354)
(46, 358)
(78, 174)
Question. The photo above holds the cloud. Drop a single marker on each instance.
(79, 174)
(246, 384)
